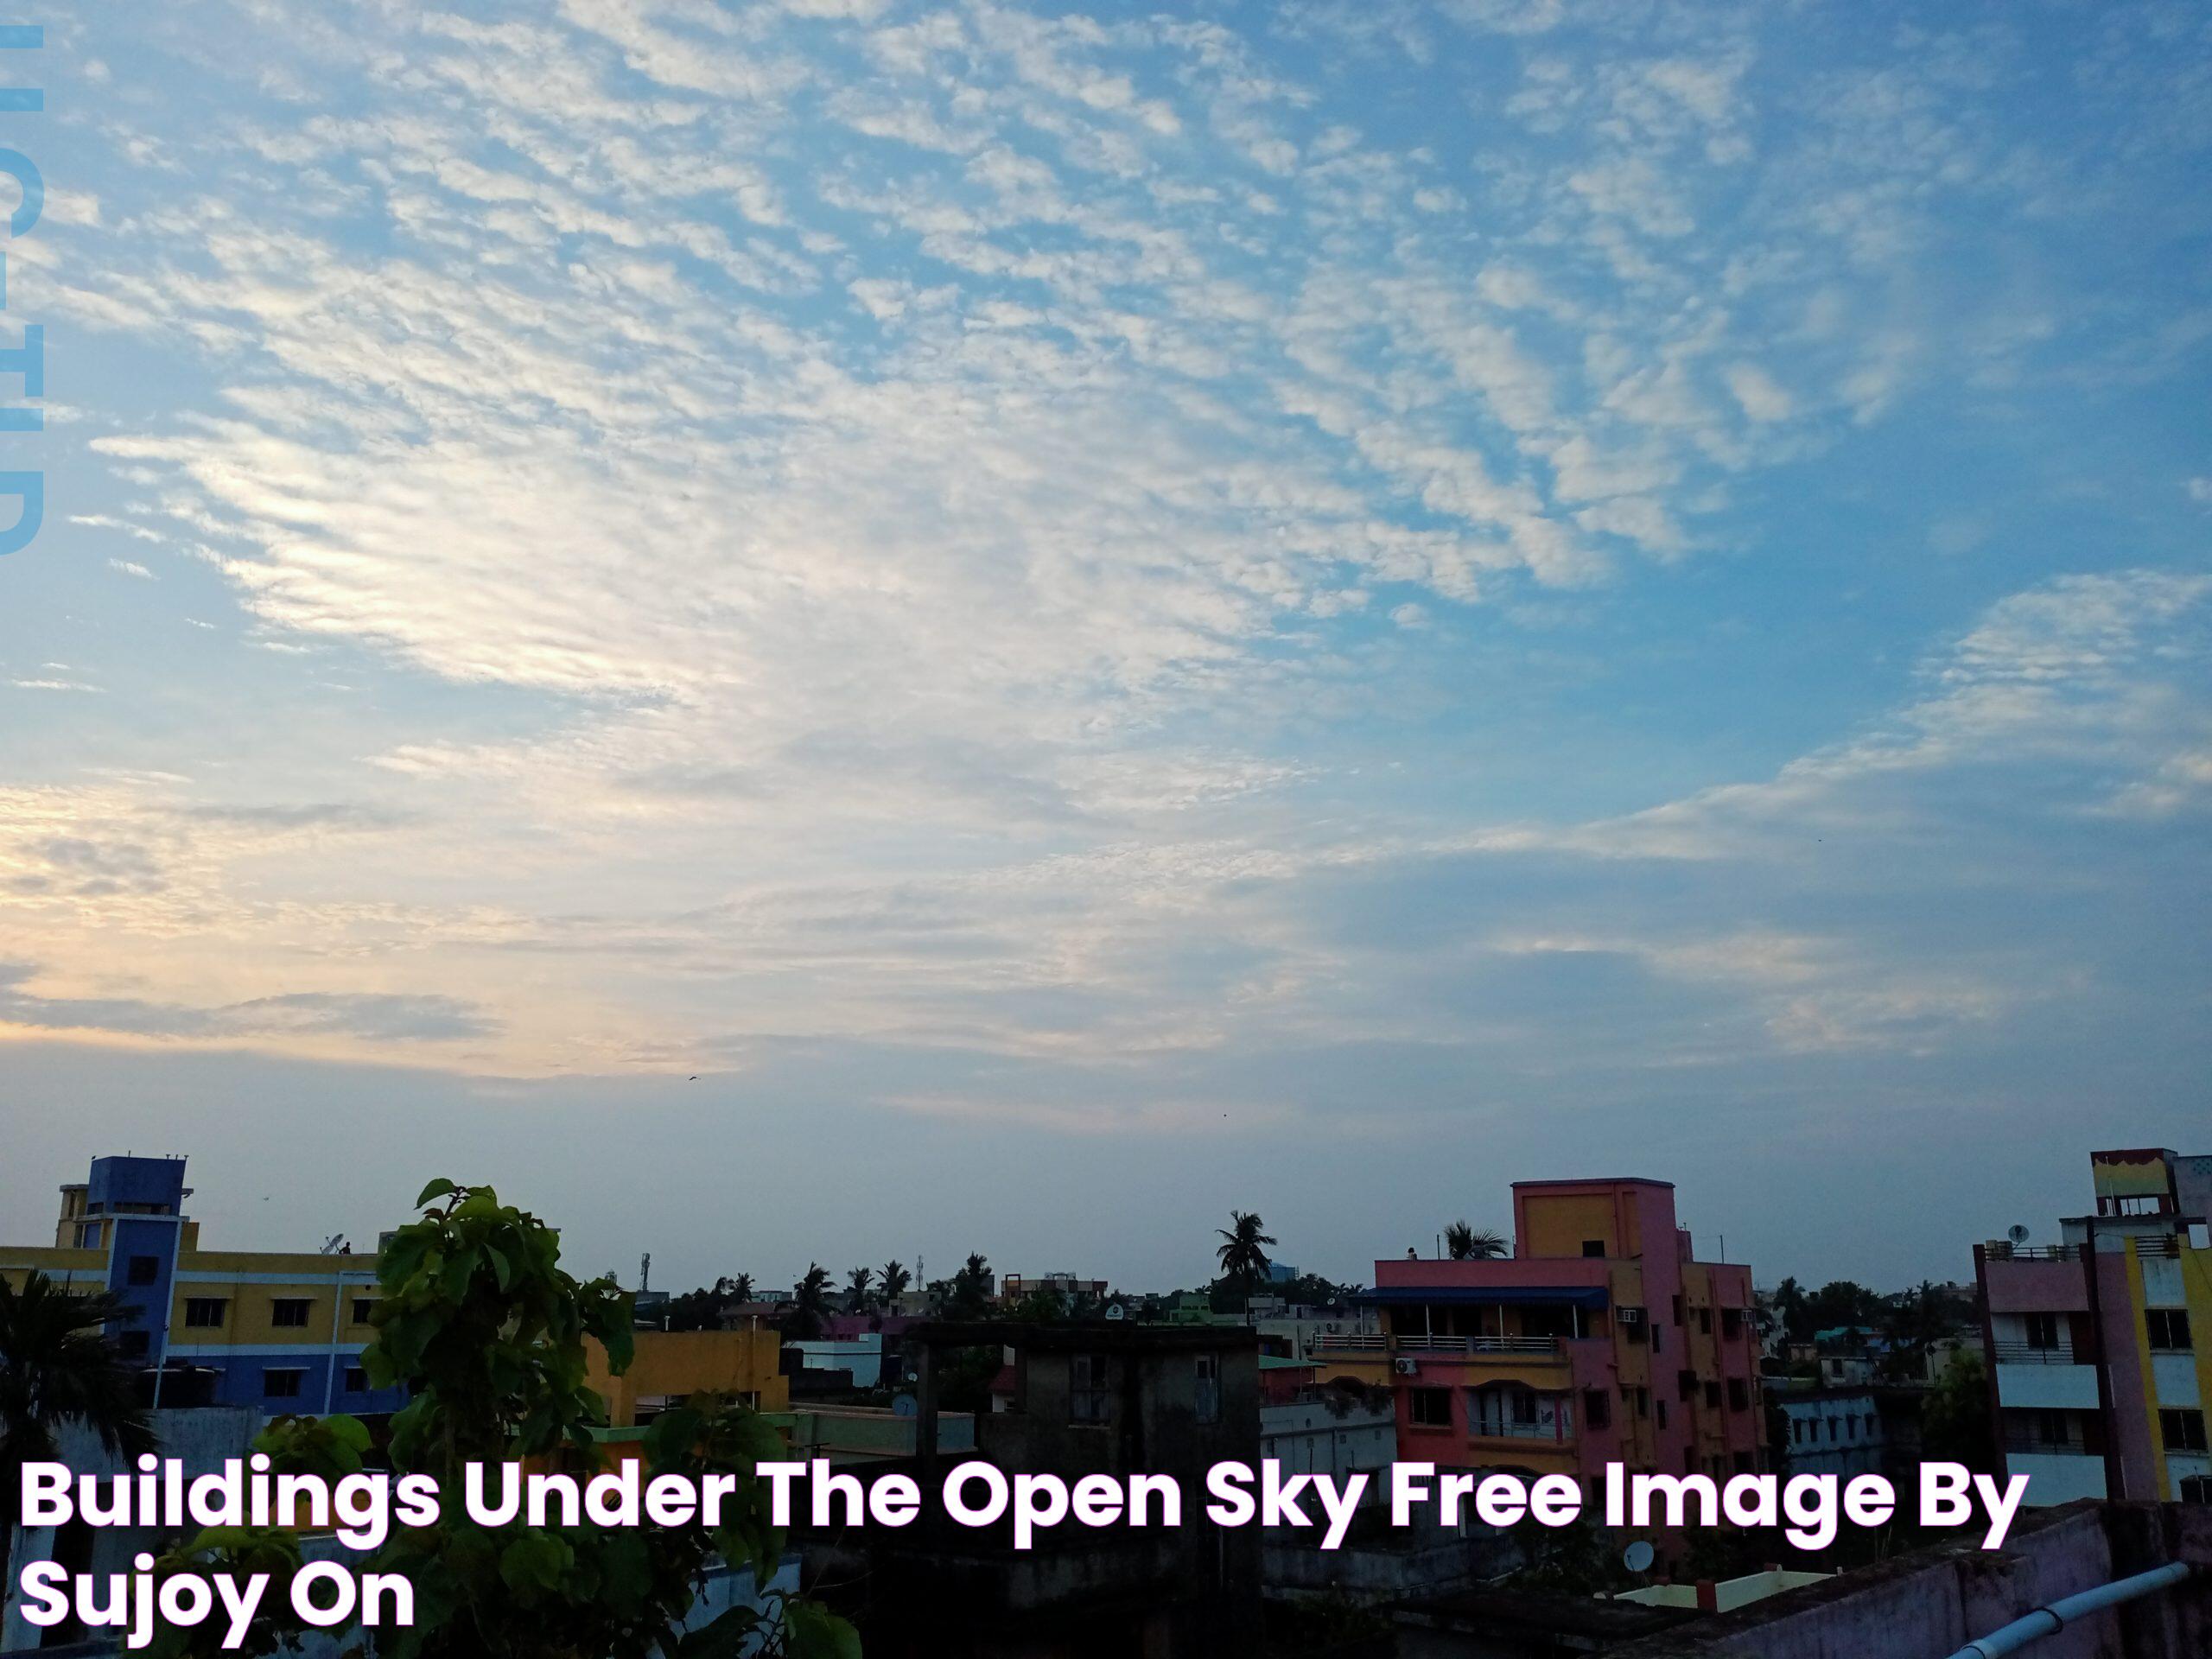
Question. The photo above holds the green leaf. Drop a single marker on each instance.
(436, 1189)
(815, 1633)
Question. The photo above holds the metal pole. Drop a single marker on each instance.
(2050, 1620)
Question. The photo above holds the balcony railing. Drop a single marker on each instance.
(1371, 1342)
(2004, 1250)
(2023, 1353)
(2029, 1445)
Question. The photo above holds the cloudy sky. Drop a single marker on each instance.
(850, 627)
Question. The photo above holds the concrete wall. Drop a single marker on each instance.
(1932, 1602)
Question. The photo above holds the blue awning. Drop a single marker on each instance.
(1468, 1296)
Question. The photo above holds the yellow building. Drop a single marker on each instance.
(671, 1365)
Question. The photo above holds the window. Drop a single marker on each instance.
(1705, 1321)
(357, 1380)
(1745, 1462)
(1593, 1247)
(1208, 1404)
(1429, 1407)
(363, 1307)
(1797, 1431)
(205, 1313)
(1633, 1324)
(2197, 1488)
(282, 1384)
(1739, 1394)
(1686, 1385)
(1596, 1408)
(2054, 1428)
(1643, 1402)
(2042, 1330)
(1678, 1311)
(1713, 1396)
(288, 1311)
(1732, 1323)
(1833, 1435)
(134, 1344)
(1657, 1331)
(2169, 1329)
(1089, 1399)
(1662, 1413)
(144, 1269)
(2182, 1431)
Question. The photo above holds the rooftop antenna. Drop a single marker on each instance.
(644, 1273)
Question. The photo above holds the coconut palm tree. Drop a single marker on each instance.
(1243, 1254)
(58, 1367)
(894, 1279)
(809, 1303)
(859, 1290)
(1464, 1243)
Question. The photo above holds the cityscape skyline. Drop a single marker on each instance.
(972, 628)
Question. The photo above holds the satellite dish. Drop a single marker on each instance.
(2017, 1233)
(1113, 1312)
(904, 1406)
(330, 1245)
(1638, 1556)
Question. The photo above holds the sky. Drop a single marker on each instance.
(849, 628)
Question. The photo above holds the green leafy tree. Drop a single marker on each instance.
(1954, 1424)
(1242, 1252)
(894, 1279)
(1463, 1243)
(859, 1290)
(57, 1367)
(809, 1304)
(970, 1291)
(488, 1336)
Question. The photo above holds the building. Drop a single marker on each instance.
(1333, 1431)
(2097, 1367)
(1831, 1431)
(668, 1367)
(1601, 1339)
(280, 1330)
(1114, 1399)
(1013, 1286)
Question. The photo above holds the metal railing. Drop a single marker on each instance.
(2002, 1250)
(1367, 1341)
(2031, 1446)
(2023, 1353)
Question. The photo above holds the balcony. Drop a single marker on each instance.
(2026, 1353)
(2005, 1250)
(1375, 1345)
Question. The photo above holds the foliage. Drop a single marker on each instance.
(894, 1280)
(1954, 1426)
(859, 1290)
(1242, 1252)
(968, 1296)
(702, 1309)
(488, 1336)
(1463, 1243)
(809, 1304)
(57, 1366)
(1575, 1559)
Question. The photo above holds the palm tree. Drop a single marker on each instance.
(1464, 1243)
(810, 1302)
(894, 1279)
(1241, 1254)
(57, 1366)
(740, 1287)
(860, 1287)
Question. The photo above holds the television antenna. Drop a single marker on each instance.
(2017, 1233)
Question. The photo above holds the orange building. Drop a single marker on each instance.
(670, 1366)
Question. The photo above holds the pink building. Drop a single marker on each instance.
(1601, 1339)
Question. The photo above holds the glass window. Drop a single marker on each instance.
(1429, 1407)
(2182, 1431)
(2169, 1329)
(1208, 1404)
(282, 1384)
(1089, 1399)
(363, 1307)
(205, 1313)
(288, 1311)
(357, 1380)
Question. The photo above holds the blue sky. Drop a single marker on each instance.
(838, 628)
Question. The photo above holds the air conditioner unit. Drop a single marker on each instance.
(1406, 1367)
